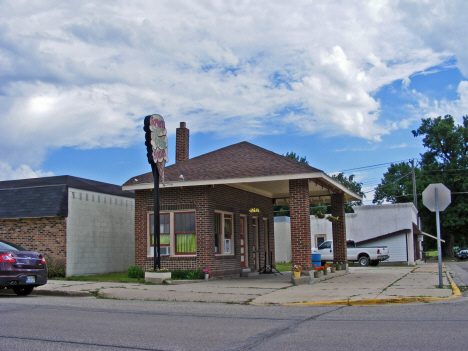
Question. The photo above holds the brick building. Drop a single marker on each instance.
(216, 210)
(87, 224)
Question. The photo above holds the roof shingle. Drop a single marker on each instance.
(241, 160)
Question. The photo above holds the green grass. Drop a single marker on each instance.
(108, 277)
(283, 266)
(430, 254)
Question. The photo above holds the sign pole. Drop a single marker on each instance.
(157, 229)
(156, 147)
(439, 248)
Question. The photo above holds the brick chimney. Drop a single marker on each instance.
(182, 143)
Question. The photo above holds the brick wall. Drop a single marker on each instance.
(206, 199)
(300, 223)
(43, 235)
(339, 228)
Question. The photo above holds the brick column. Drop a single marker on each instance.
(300, 223)
(182, 143)
(339, 228)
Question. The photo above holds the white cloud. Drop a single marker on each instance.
(84, 74)
(433, 108)
(21, 172)
(440, 26)
(399, 146)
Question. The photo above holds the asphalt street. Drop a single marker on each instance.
(87, 323)
(460, 270)
(84, 322)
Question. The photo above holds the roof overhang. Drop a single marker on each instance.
(432, 236)
(321, 186)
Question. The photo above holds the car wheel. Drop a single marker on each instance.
(23, 290)
(364, 261)
(374, 263)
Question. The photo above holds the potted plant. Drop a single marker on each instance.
(338, 266)
(319, 214)
(318, 271)
(331, 218)
(207, 274)
(332, 269)
(297, 271)
(325, 268)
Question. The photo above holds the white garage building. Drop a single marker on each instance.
(391, 225)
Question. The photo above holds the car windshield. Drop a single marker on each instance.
(10, 247)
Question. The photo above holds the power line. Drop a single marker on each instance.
(367, 167)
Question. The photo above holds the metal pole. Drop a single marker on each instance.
(157, 249)
(439, 248)
(415, 198)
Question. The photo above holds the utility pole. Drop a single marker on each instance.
(415, 198)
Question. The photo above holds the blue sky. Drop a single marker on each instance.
(342, 83)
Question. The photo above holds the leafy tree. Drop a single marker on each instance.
(293, 156)
(351, 184)
(446, 162)
(397, 185)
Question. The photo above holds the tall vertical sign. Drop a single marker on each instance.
(156, 147)
(436, 197)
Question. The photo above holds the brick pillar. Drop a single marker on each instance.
(339, 228)
(300, 223)
(182, 143)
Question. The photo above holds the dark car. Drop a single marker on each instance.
(463, 254)
(21, 270)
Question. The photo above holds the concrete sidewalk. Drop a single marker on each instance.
(370, 285)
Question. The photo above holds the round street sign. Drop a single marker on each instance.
(443, 193)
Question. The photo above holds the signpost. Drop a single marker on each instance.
(436, 198)
(156, 146)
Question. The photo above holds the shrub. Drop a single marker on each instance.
(135, 272)
(188, 274)
(55, 268)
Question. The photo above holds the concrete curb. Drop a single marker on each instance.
(369, 302)
(61, 293)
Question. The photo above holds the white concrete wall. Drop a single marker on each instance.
(366, 223)
(100, 233)
(283, 251)
(371, 221)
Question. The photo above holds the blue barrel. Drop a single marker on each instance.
(317, 260)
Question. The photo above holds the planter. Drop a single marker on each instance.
(338, 267)
(317, 274)
(297, 274)
(155, 277)
(332, 269)
(325, 272)
(207, 276)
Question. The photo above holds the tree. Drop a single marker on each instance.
(351, 184)
(293, 156)
(446, 162)
(396, 186)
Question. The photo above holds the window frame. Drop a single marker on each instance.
(185, 233)
(222, 235)
(152, 234)
(172, 234)
(317, 236)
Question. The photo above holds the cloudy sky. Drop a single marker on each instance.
(342, 83)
